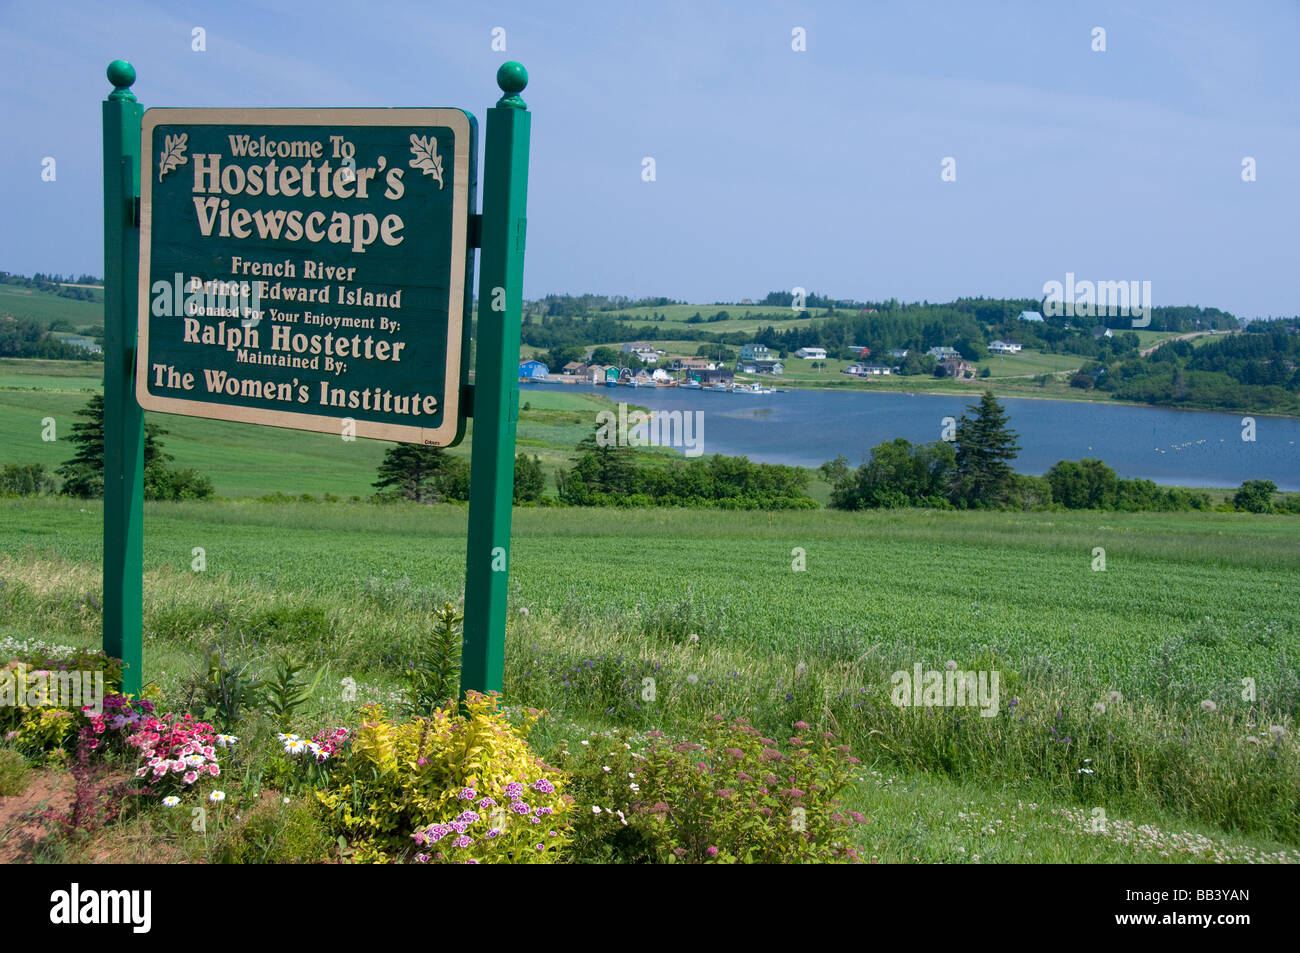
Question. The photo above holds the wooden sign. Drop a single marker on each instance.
(308, 268)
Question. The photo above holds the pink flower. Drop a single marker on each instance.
(712, 851)
(190, 777)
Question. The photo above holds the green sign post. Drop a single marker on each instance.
(123, 418)
(496, 384)
(310, 268)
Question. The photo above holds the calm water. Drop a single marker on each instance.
(807, 427)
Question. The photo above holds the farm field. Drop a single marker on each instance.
(45, 308)
(1187, 607)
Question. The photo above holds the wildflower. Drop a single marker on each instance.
(1115, 698)
(493, 834)
(543, 786)
(800, 670)
(171, 801)
(605, 768)
(692, 679)
(285, 739)
(190, 777)
(467, 794)
(1209, 706)
(226, 741)
(421, 858)
(486, 802)
(1085, 771)
(514, 790)
(216, 797)
(1099, 708)
(711, 851)
(595, 809)
(694, 637)
(950, 665)
(464, 840)
(541, 847)
(295, 747)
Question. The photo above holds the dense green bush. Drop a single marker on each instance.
(610, 475)
(26, 479)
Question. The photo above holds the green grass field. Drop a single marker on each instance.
(1187, 607)
(45, 308)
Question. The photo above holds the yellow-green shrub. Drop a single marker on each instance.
(45, 730)
(454, 787)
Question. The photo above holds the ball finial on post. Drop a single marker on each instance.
(121, 74)
(512, 78)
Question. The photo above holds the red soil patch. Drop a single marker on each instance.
(19, 837)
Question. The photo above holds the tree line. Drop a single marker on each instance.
(973, 471)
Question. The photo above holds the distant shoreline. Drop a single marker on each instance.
(975, 388)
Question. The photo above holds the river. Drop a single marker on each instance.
(807, 427)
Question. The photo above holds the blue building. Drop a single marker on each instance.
(533, 369)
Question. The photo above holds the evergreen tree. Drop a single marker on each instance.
(83, 475)
(984, 448)
(614, 468)
(423, 474)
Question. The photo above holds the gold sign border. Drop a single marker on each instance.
(454, 119)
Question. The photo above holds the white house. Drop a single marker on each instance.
(876, 369)
(645, 353)
(811, 353)
(944, 353)
(1004, 347)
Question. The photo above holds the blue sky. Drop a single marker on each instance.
(775, 168)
